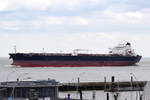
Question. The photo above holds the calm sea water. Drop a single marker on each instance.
(70, 74)
(86, 74)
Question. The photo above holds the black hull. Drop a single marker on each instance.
(67, 60)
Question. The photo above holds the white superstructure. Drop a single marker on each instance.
(122, 49)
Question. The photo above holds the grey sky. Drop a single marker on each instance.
(64, 25)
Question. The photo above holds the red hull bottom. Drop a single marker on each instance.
(71, 63)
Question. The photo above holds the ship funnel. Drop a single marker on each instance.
(128, 44)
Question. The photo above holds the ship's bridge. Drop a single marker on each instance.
(122, 49)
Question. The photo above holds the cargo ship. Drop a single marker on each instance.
(120, 55)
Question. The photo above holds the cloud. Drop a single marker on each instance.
(10, 25)
(52, 19)
(3, 5)
(71, 5)
(136, 15)
(45, 4)
(37, 4)
(10, 5)
(96, 21)
(79, 20)
(129, 17)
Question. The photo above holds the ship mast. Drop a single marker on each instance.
(15, 49)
